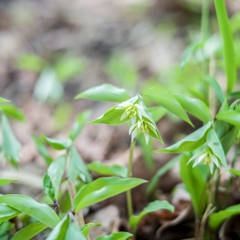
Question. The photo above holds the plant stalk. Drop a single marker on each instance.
(129, 174)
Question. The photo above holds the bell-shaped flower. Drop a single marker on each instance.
(207, 158)
(145, 127)
(132, 111)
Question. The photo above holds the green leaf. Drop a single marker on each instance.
(74, 233)
(151, 207)
(114, 170)
(29, 232)
(214, 143)
(77, 167)
(48, 187)
(188, 53)
(58, 144)
(229, 138)
(229, 116)
(3, 100)
(160, 172)
(157, 113)
(116, 236)
(228, 45)
(103, 188)
(194, 106)
(234, 95)
(191, 142)
(217, 218)
(105, 93)
(55, 172)
(214, 84)
(235, 172)
(7, 212)
(192, 177)
(43, 151)
(168, 101)
(13, 112)
(4, 181)
(86, 228)
(111, 117)
(79, 123)
(10, 146)
(60, 229)
(27, 205)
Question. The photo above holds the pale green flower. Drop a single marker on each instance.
(131, 111)
(207, 158)
(144, 127)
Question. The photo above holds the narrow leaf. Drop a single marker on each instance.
(103, 188)
(48, 187)
(40, 212)
(6, 181)
(195, 107)
(79, 123)
(229, 116)
(235, 172)
(116, 236)
(86, 228)
(217, 218)
(55, 172)
(29, 232)
(192, 177)
(105, 93)
(168, 101)
(151, 207)
(74, 233)
(191, 142)
(13, 112)
(43, 151)
(228, 46)
(77, 167)
(101, 169)
(7, 212)
(3, 100)
(10, 146)
(58, 144)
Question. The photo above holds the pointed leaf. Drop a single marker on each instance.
(153, 183)
(228, 45)
(101, 169)
(48, 187)
(74, 233)
(168, 101)
(4, 181)
(43, 151)
(3, 100)
(214, 84)
(10, 146)
(58, 144)
(79, 123)
(29, 232)
(151, 207)
(191, 142)
(229, 116)
(103, 188)
(7, 212)
(235, 172)
(194, 106)
(13, 112)
(86, 228)
(59, 232)
(77, 167)
(192, 177)
(105, 93)
(40, 212)
(217, 218)
(55, 172)
(116, 236)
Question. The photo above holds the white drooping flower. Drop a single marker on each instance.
(144, 127)
(207, 158)
(131, 111)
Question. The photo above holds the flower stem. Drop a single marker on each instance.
(129, 174)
